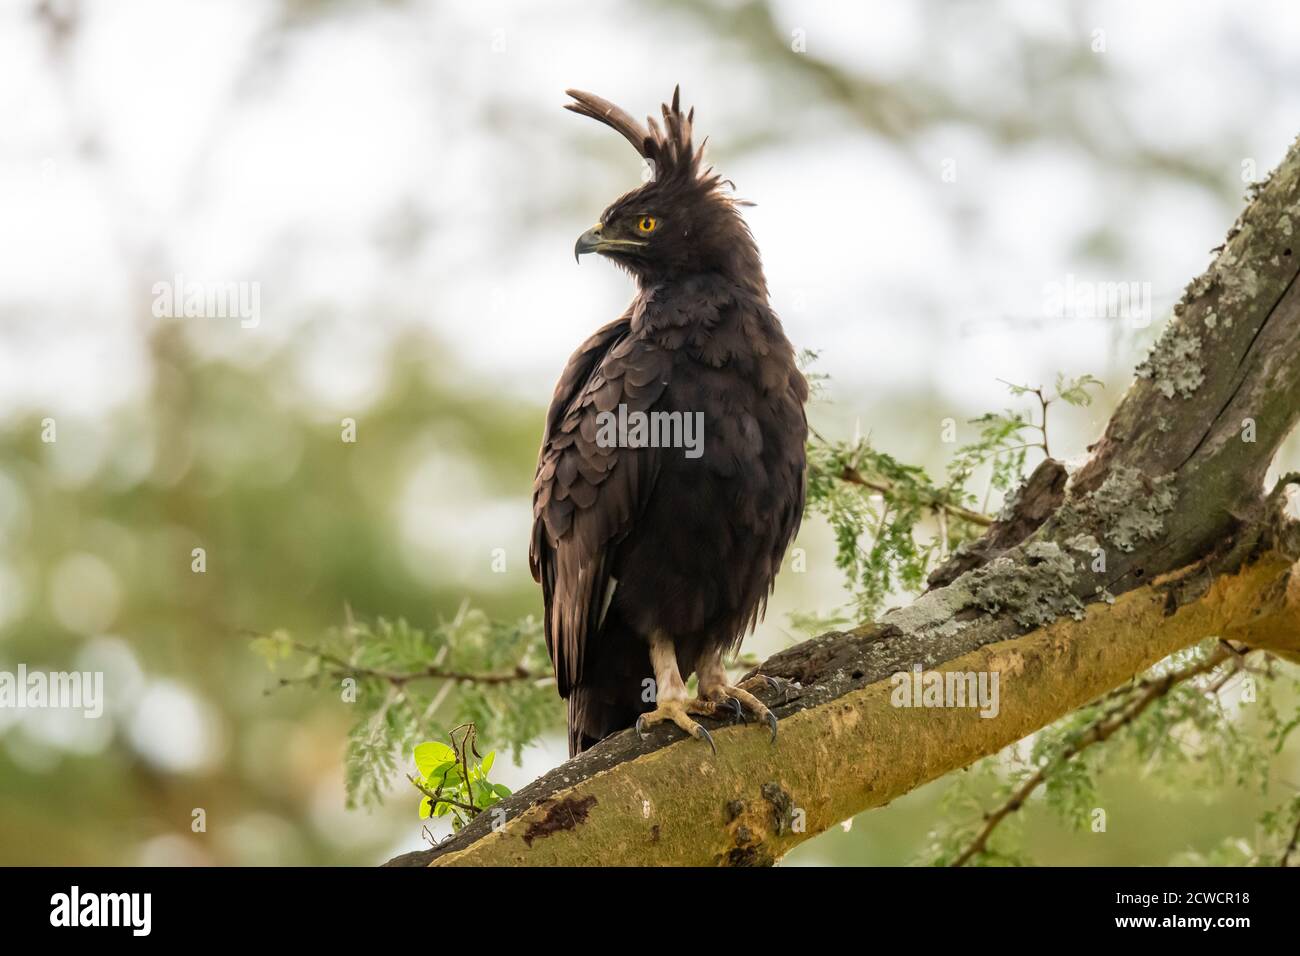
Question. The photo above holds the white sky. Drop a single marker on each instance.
(224, 158)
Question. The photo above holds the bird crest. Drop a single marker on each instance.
(668, 149)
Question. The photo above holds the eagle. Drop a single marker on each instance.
(671, 476)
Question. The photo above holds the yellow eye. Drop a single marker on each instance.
(647, 224)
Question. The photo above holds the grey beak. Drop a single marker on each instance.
(589, 241)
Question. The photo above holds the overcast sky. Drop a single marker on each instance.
(411, 165)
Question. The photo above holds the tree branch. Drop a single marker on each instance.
(1163, 538)
(342, 668)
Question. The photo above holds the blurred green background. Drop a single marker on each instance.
(400, 182)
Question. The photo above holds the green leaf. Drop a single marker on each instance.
(430, 755)
(449, 779)
(1075, 390)
(438, 775)
(272, 648)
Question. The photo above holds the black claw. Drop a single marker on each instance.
(702, 734)
(737, 710)
(771, 722)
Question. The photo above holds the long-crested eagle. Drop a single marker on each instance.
(655, 559)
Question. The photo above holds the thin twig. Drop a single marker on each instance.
(934, 500)
(1293, 845)
(1043, 402)
(435, 797)
(467, 741)
(1042, 427)
(520, 673)
(1152, 689)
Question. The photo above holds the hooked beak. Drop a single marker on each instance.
(593, 241)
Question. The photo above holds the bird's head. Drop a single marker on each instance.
(680, 222)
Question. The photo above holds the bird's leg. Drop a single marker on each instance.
(714, 687)
(671, 703)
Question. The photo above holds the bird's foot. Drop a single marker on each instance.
(678, 711)
(741, 699)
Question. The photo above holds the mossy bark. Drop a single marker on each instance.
(753, 802)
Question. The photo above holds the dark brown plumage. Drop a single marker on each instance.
(645, 552)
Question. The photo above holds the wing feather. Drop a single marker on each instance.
(586, 497)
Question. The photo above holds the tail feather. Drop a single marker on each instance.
(609, 696)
